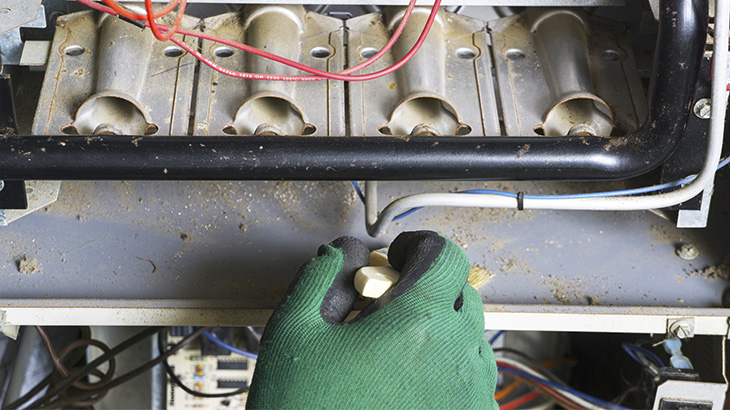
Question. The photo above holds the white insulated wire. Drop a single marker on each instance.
(585, 404)
(704, 180)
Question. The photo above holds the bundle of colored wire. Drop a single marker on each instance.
(504, 392)
(537, 379)
(519, 401)
(319, 75)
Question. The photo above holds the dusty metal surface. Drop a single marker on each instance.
(228, 105)
(81, 84)
(11, 43)
(237, 245)
(40, 194)
(421, 98)
(523, 78)
(16, 13)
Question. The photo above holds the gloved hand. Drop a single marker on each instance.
(419, 345)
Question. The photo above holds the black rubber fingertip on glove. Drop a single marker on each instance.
(411, 253)
(341, 296)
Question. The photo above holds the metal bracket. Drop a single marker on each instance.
(678, 394)
(11, 44)
(682, 328)
(6, 328)
(16, 13)
(689, 218)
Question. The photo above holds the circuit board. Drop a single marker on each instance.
(207, 374)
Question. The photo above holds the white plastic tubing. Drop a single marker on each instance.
(377, 224)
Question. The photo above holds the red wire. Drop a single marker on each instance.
(547, 390)
(303, 67)
(319, 74)
(519, 401)
(134, 16)
(151, 23)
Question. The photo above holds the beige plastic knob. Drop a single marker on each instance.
(374, 281)
(379, 258)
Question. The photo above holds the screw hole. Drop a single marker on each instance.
(514, 54)
(368, 52)
(173, 52)
(29, 190)
(611, 55)
(223, 52)
(74, 51)
(466, 53)
(5, 10)
(320, 52)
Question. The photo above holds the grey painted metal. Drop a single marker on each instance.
(455, 96)
(235, 246)
(227, 105)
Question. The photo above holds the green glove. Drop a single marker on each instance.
(419, 345)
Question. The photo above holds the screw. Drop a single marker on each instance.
(703, 108)
(688, 252)
(681, 329)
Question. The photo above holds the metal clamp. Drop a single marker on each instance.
(682, 328)
(6, 328)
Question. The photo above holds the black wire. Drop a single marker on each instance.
(84, 371)
(72, 360)
(66, 401)
(179, 383)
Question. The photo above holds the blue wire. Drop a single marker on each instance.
(495, 337)
(489, 192)
(359, 191)
(407, 213)
(604, 194)
(228, 347)
(562, 387)
(632, 354)
(632, 349)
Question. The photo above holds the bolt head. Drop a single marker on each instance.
(703, 108)
(681, 329)
(688, 252)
